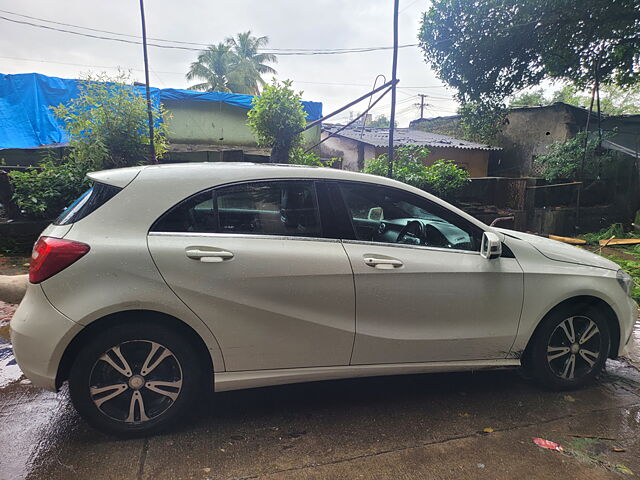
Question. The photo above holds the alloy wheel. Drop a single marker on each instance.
(574, 347)
(135, 381)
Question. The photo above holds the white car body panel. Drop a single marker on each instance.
(302, 313)
(414, 313)
(280, 302)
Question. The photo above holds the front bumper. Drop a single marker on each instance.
(40, 334)
(627, 321)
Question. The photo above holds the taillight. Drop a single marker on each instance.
(52, 255)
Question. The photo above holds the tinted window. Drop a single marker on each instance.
(288, 208)
(383, 214)
(88, 203)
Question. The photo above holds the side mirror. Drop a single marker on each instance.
(491, 246)
(376, 214)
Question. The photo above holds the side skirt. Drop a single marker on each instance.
(225, 381)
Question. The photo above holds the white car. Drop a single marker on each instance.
(162, 282)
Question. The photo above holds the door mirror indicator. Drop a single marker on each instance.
(491, 246)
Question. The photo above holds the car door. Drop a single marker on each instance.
(425, 299)
(251, 260)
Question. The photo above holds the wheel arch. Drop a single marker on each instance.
(588, 300)
(108, 321)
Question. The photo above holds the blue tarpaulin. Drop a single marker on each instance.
(27, 121)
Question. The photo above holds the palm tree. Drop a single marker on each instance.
(251, 64)
(217, 66)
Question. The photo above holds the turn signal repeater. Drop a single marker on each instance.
(52, 255)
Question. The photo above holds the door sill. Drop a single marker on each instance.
(225, 381)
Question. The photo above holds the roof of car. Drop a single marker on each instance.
(228, 171)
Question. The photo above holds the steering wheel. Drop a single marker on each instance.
(412, 233)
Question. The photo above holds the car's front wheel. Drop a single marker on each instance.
(135, 379)
(570, 347)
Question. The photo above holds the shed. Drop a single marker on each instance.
(355, 145)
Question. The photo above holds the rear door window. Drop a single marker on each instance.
(87, 203)
(287, 208)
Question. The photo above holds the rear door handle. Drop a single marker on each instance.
(208, 256)
(383, 263)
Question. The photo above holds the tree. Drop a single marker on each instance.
(233, 66)
(250, 64)
(276, 119)
(614, 100)
(490, 49)
(381, 121)
(534, 98)
(216, 66)
(481, 121)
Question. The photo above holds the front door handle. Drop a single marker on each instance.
(383, 263)
(207, 255)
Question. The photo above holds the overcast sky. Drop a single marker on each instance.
(314, 24)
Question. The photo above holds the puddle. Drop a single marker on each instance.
(9, 370)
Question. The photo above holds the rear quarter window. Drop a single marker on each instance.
(87, 203)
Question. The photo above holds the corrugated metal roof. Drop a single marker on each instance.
(379, 137)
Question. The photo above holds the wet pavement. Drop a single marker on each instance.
(464, 425)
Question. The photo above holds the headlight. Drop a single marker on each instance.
(625, 280)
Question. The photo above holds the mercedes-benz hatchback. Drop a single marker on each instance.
(163, 282)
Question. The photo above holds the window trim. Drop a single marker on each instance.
(214, 192)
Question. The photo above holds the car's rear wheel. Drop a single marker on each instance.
(570, 348)
(135, 379)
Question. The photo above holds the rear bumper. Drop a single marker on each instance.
(40, 334)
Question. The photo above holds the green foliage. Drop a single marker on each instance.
(614, 230)
(533, 98)
(564, 160)
(481, 121)
(297, 156)
(490, 49)
(443, 178)
(381, 121)
(233, 66)
(276, 117)
(108, 124)
(44, 192)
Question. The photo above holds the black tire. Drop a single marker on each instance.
(163, 395)
(560, 364)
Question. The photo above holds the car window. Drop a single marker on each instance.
(87, 203)
(389, 215)
(288, 208)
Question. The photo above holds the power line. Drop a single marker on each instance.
(179, 45)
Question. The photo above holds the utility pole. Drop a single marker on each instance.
(394, 71)
(152, 147)
(422, 97)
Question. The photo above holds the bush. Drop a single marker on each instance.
(45, 192)
(564, 160)
(444, 178)
(107, 127)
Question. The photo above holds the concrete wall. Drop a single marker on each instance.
(353, 153)
(215, 123)
(528, 131)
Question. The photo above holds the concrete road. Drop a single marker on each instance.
(454, 426)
